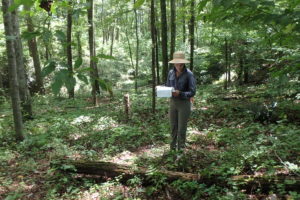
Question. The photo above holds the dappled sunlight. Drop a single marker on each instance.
(104, 123)
(129, 158)
(81, 120)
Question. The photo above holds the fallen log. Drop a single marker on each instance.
(109, 169)
(249, 183)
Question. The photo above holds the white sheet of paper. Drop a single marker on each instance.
(163, 91)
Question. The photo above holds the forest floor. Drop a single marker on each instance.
(230, 133)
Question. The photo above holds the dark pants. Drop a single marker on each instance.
(179, 114)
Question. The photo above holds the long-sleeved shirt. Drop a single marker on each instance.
(185, 83)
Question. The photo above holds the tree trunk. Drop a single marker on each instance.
(226, 64)
(229, 65)
(11, 56)
(173, 27)
(157, 46)
(92, 52)
(126, 102)
(153, 67)
(47, 44)
(32, 45)
(192, 34)
(69, 47)
(137, 49)
(79, 47)
(164, 39)
(97, 86)
(112, 39)
(129, 48)
(1, 82)
(241, 69)
(22, 78)
(183, 23)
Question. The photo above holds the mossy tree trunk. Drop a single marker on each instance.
(11, 56)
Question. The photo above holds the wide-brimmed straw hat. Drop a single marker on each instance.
(178, 57)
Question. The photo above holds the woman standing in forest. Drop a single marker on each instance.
(184, 84)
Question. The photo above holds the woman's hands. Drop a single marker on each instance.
(176, 93)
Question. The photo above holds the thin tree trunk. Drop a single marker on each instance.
(226, 65)
(173, 27)
(92, 52)
(1, 82)
(246, 74)
(157, 58)
(112, 38)
(23, 86)
(164, 39)
(79, 47)
(229, 66)
(11, 56)
(241, 69)
(69, 47)
(96, 72)
(157, 48)
(129, 48)
(183, 23)
(137, 49)
(192, 34)
(47, 44)
(32, 45)
(153, 37)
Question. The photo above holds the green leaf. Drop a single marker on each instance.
(202, 4)
(138, 4)
(95, 59)
(106, 86)
(30, 35)
(49, 68)
(78, 63)
(56, 85)
(61, 36)
(86, 69)
(105, 56)
(83, 78)
(18, 3)
(70, 82)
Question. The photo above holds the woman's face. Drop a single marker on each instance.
(179, 67)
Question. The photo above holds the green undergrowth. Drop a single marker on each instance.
(234, 132)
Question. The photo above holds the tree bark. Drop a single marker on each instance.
(22, 78)
(112, 39)
(126, 102)
(137, 49)
(173, 27)
(157, 45)
(33, 49)
(226, 64)
(92, 52)
(11, 56)
(154, 44)
(129, 48)
(183, 23)
(79, 47)
(110, 169)
(192, 34)
(1, 82)
(164, 39)
(241, 69)
(69, 47)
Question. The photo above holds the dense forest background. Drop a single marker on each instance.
(77, 83)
